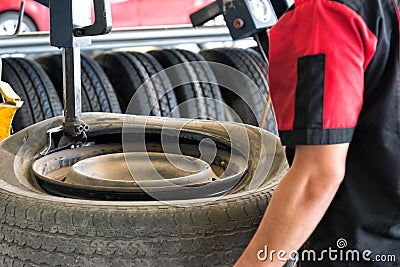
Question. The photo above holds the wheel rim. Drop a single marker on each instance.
(81, 172)
(112, 170)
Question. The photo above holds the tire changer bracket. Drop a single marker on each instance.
(70, 29)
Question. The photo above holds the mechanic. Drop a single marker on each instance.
(335, 84)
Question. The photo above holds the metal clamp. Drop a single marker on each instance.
(57, 140)
(102, 21)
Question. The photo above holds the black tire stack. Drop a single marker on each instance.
(168, 82)
(34, 87)
(97, 92)
(250, 104)
(197, 92)
(130, 75)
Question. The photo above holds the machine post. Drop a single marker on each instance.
(70, 29)
(73, 125)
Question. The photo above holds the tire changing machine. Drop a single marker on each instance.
(67, 33)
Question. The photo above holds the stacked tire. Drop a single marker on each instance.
(167, 83)
(250, 104)
(35, 88)
(197, 91)
(140, 75)
(97, 92)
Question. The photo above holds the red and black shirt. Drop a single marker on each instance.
(335, 78)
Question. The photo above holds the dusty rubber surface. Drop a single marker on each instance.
(37, 229)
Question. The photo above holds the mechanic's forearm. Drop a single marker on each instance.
(297, 206)
(290, 219)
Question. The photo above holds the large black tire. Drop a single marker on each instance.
(128, 73)
(97, 92)
(37, 229)
(256, 56)
(9, 21)
(201, 97)
(250, 63)
(34, 87)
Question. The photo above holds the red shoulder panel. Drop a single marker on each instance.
(336, 31)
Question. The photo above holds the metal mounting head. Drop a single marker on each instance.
(58, 140)
(70, 19)
(102, 24)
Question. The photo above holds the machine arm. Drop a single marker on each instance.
(43, 2)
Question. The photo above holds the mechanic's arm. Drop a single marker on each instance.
(299, 202)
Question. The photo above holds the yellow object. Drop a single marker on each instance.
(12, 102)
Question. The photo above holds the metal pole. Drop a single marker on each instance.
(65, 19)
(71, 57)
